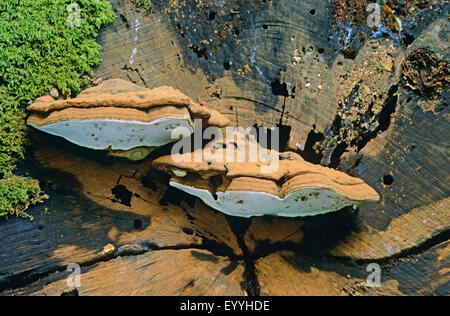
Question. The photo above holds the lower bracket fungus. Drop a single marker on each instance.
(125, 119)
(280, 184)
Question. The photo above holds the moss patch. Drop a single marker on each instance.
(12, 133)
(43, 44)
(17, 194)
(146, 5)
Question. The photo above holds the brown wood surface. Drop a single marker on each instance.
(288, 273)
(156, 273)
(97, 200)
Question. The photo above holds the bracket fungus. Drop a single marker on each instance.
(125, 119)
(291, 187)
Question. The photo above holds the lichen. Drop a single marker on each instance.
(39, 50)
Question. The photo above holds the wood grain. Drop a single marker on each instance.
(289, 273)
(168, 272)
(286, 49)
(98, 200)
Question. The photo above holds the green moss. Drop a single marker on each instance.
(144, 4)
(17, 194)
(39, 50)
(12, 133)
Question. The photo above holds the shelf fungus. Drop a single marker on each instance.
(118, 116)
(294, 188)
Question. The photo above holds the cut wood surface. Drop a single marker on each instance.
(287, 273)
(270, 65)
(96, 201)
(156, 273)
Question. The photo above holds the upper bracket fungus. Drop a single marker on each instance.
(291, 187)
(121, 117)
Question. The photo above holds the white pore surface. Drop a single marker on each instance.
(117, 134)
(248, 204)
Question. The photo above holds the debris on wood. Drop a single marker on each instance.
(425, 72)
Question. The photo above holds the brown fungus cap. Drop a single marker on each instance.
(294, 188)
(121, 94)
(125, 119)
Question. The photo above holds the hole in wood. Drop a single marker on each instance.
(122, 194)
(312, 153)
(388, 179)
(212, 15)
(279, 88)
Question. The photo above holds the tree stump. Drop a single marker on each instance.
(265, 64)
